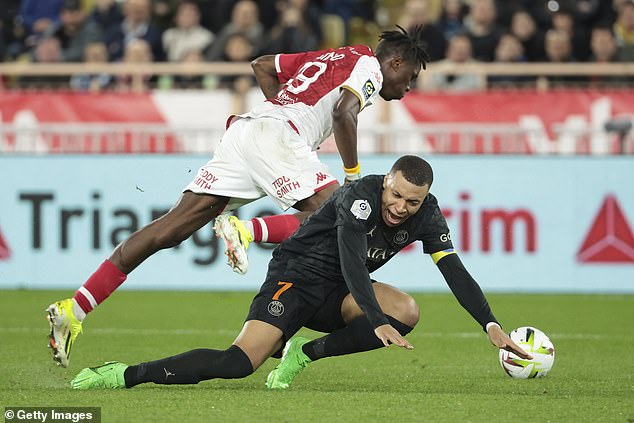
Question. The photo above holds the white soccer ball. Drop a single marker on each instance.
(536, 343)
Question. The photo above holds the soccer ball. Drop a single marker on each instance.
(536, 343)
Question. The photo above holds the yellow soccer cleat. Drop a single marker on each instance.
(237, 239)
(64, 328)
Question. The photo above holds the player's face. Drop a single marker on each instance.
(398, 77)
(400, 199)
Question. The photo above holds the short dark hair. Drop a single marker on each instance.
(410, 46)
(414, 169)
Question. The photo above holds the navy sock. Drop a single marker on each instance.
(358, 336)
(191, 367)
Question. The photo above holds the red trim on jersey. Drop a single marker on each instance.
(292, 125)
(325, 186)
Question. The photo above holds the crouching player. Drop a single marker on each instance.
(320, 278)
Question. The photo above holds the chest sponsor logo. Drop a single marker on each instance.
(368, 89)
(377, 254)
(401, 237)
(361, 209)
(610, 238)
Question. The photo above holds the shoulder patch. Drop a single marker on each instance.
(368, 89)
(361, 209)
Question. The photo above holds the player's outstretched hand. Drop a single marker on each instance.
(387, 334)
(502, 340)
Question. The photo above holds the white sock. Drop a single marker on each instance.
(79, 313)
(249, 225)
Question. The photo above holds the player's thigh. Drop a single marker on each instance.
(313, 202)
(283, 166)
(285, 301)
(191, 212)
(259, 340)
(392, 301)
(227, 174)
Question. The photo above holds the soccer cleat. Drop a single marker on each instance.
(237, 239)
(64, 328)
(107, 376)
(293, 362)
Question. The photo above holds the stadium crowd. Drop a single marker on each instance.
(456, 31)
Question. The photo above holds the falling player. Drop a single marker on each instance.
(269, 151)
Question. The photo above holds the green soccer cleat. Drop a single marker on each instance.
(64, 328)
(293, 362)
(107, 376)
(237, 239)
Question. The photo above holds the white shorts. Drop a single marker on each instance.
(259, 157)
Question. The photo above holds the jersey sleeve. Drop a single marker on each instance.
(287, 64)
(436, 237)
(355, 214)
(365, 80)
(355, 209)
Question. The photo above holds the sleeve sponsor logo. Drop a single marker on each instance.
(445, 238)
(361, 209)
(368, 89)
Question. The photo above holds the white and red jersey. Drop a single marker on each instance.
(312, 83)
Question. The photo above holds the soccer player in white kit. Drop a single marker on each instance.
(270, 151)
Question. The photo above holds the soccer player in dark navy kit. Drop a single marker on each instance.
(320, 278)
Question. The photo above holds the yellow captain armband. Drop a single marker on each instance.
(352, 173)
(440, 254)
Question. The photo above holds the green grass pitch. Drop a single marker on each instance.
(452, 375)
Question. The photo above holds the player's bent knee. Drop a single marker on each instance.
(408, 311)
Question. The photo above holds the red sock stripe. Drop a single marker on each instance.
(83, 302)
(257, 230)
(280, 227)
(101, 284)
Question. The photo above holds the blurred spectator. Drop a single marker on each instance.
(164, 12)
(94, 53)
(416, 12)
(137, 51)
(559, 50)
(107, 15)
(605, 50)
(523, 27)
(136, 25)
(484, 34)
(184, 81)
(563, 20)
(47, 50)
(296, 31)
(349, 9)
(11, 31)
(458, 52)
(451, 18)
(245, 21)
(214, 14)
(237, 49)
(37, 15)
(508, 50)
(603, 45)
(73, 31)
(624, 31)
(505, 9)
(187, 35)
